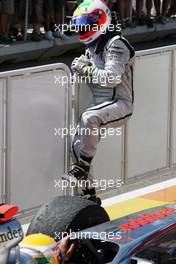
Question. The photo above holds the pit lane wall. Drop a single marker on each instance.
(147, 146)
(33, 104)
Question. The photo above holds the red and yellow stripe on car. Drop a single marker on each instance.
(144, 198)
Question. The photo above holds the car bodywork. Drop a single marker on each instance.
(132, 232)
(122, 237)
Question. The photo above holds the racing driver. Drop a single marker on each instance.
(41, 248)
(108, 57)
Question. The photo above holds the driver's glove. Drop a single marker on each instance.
(83, 66)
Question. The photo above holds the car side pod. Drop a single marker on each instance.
(11, 232)
(135, 260)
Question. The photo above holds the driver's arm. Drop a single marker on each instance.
(117, 57)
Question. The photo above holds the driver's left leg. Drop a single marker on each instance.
(109, 114)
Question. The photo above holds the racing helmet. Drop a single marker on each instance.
(41, 248)
(91, 19)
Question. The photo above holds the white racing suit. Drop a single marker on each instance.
(112, 103)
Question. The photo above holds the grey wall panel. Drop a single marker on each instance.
(147, 132)
(1, 139)
(174, 113)
(36, 155)
(108, 160)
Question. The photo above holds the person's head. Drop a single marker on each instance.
(91, 19)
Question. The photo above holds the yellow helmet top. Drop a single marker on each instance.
(42, 248)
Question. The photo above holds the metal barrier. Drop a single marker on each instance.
(32, 106)
(148, 144)
(35, 156)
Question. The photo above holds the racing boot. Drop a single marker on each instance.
(77, 174)
(90, 194)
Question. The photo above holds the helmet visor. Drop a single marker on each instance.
(84, 23)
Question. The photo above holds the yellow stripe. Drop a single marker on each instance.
(131, 206)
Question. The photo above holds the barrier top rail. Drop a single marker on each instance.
(36, 69)
(155, 50)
